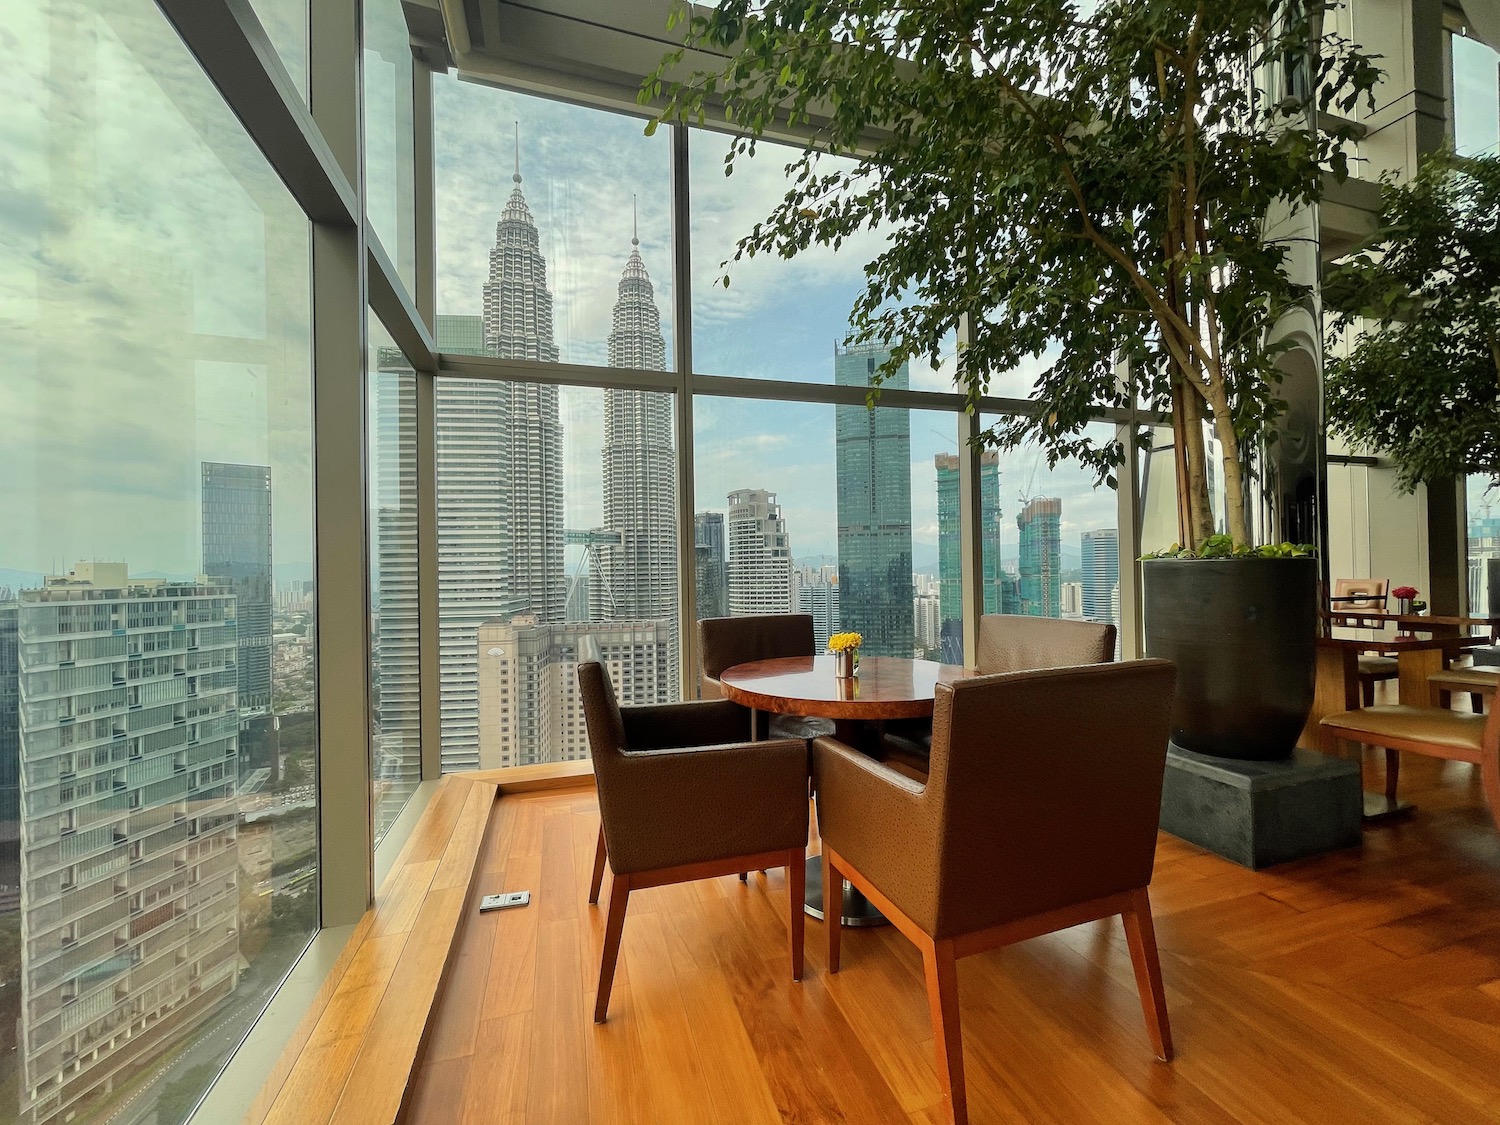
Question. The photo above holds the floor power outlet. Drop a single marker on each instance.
(501, 902)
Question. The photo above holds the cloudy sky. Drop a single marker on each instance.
(153, 300)
(582, 170)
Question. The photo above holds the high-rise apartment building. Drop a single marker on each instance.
(874, 508)
(1040, 524)
(639, 472)
(1101, 574)
(759, 554)
(950, 552)
(10, 763)
(128, 742)
(529, 707)
(710, 555)
(236, 503)
(396, 738)
(927, 621)
(818, 594)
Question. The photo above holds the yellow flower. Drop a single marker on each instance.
(840, 642)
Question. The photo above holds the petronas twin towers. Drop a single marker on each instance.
(508, 645)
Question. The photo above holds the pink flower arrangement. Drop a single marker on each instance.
(1404, 593)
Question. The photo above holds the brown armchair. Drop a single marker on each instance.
(683, 796)
(1008, 643)
(1040, 812)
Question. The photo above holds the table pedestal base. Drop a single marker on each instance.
(858, 910)
(1379, 808)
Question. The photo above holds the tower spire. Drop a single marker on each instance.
(517, 176)
(635, 229)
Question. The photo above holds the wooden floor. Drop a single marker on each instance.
(1362, 987)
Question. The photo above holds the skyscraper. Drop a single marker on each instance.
(518, 325)
(236, 503)
(1101, 573)
(499, 461)
(639, 469)
(759, 554)
(819, 596)
(10, 762)
(874, 509)
(1040, 524)
(712, 573)
(130, 921)
(950, 550)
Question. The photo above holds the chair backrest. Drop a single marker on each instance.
(1354, 594)
(724, 642)
(601, 715)
(1048, 788)
(1011, 643)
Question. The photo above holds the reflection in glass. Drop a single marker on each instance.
(395, 737)
(158, 849)
(285, 22)
(390, 176)
(1484, 544)
(1476, 97)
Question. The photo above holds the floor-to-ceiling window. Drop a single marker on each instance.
(157, 613)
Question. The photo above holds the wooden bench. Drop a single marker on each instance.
(352, 1059)
(1478, 682)
(1436, 732)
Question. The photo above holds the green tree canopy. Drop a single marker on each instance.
(1422, 380)
(1085, 183)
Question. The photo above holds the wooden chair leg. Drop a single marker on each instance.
(744, 876)
(796, 886)
(1141, 934)
(1392, 772)
(833, 909)
(1367, 692)
(619, 898)
(941, 970)
(598, 880)
(1489, 780)
(1476, 702)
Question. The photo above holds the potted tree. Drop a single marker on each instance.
(1108, 191)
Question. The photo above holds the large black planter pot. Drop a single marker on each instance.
(1243, 633)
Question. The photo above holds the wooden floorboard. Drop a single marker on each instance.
(1358, 987)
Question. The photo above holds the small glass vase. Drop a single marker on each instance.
(1403, 606)
(846, 663)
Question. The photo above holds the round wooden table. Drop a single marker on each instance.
(887, 687)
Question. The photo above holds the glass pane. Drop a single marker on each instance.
(395, 740)
(285, 22)
(158, 848)
(1158, 500)
(390, 202)
(553, 230)
(557, 536)
(1484, 545)
(1055, 537)
(1476, 97)
(808, 298)
(829, 510)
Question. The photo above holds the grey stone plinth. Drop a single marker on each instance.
(1260, 813)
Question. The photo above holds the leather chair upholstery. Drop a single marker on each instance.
(1040, 811)
(1012, 643)
(1009, 643)
(683, 796)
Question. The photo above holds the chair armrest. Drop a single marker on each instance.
(666, 808)
(705, 722)
(880, 821)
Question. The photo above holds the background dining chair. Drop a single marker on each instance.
(1040, 812)
(683, 796)
(724, 642)
(1007, 643)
